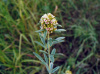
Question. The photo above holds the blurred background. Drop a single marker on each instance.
(19, 19)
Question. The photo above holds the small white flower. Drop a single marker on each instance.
(51, 28)
(45, 16)
(53, 20)
(45, 20)
(49, 14)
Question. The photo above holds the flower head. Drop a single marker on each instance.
(68, 72)
(48, 22)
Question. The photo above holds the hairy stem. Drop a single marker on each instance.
(49, 52)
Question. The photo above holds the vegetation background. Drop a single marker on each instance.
(19, 19)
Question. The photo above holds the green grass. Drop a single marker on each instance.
(19, 19)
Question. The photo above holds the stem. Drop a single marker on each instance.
(49, 52)
(20, 41)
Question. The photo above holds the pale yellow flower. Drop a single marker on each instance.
(68, 72)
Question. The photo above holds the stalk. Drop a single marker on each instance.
(49, 52)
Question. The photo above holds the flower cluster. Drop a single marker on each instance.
(48, 22)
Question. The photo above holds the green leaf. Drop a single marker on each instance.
(15, 54)
(47, 68)
(39, 44)
(52, 58)
(51, 65)
(8, 65)
(68, 68)
(56, 41)
(2, 54)
(78, 72)
(39, 57)
(45, 34)
(50, 41)
(60, 30)
(42, 39)
(53, 51)
(39, 31)
(60, 38)
(45, 57)
(25, 37)
(59, 25)
(30, 60)
(55, 69)
(43, 51)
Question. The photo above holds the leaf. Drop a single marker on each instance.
(55, 41)
(53, 51)
(45, 57)
(25, 37)
(30, 60)
(51, 65)
(59, 38)
(52, 58)
(39, 44)
(55, 69)
(60, 30)
(43, 51)
(42, 39)
(8, 65)
(47, 68)
(2, 54)
(68, 68)
(45, 34)
(39, 57)
(59, 25)
(15, 55)
(50, 41)
(78, 72)
(39, 31)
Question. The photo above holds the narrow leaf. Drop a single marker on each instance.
(52, 58)
(51, 65)
(60, 30)
(47, 68)
(15, 55)
(50, 41)
(42, 39)
(39, 57)
(25, 37)
(45, 34)
(45, 57)
(59, 25)
(30, 60)
(53, 51)
(55, 41)
(2, 54)
(55, 69)
(59, 38)
(39, 31)
(40, 44)
(43, 51)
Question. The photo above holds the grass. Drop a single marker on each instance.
(19, 19)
